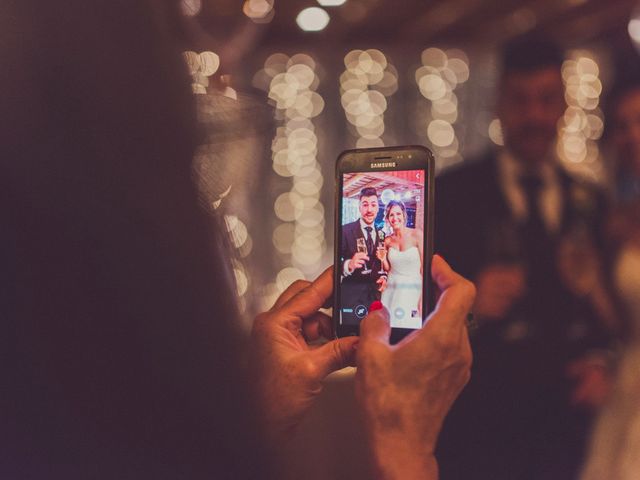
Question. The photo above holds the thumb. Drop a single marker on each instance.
(335, 355)
(458, 293)
(376, 327)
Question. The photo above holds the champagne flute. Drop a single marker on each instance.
(361, 245)
(381, 251)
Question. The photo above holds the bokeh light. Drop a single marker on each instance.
(634, 29)
(582, 123)
(190, 8)
(260, 11)
(242, 281)
(441, 72)
(312, 19)
(495, 132)
(368, 80)
(291, 84)
(331, 3)
(201, 66)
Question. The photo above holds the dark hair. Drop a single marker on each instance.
(527, 53)
(120, 327)
(367, 192)
(395, 203)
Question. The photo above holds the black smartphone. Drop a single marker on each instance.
(383, 237)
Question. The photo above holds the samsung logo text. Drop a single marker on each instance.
(383, 165)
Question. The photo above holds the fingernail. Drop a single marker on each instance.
(375, 305)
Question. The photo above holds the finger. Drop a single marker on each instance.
(458, 293)
(326, 327)
(335, 355)
(290, 292)
(316, 326)
(309, 299)
(376, 327)
(450, 282)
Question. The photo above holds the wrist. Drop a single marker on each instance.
(399, 450)
(395, 458)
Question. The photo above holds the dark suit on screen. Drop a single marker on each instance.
(358, 288)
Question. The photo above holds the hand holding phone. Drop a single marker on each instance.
(286, 373)
(405, 392)
(384, 231)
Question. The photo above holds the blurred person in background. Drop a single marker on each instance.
(615, 444)
(623, 134)
(529, 235)
(121, 357)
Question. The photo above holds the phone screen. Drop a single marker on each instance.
(381, 245)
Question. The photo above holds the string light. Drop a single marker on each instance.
(291, 85)
(312, 19)
(201, 66)
(191, 8)
(259, 11)
(582, 123)
(331, 3)
(440, 74)
(368, 80)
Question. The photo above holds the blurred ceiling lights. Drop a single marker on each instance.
(191, 8)
(201, 67)
(331, 3)
(260, 11)
(312, 19)
(634, 28)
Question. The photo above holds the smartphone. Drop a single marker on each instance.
(383, 237)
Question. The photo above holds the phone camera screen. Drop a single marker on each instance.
(382, 217)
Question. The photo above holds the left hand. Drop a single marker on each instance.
(382, 283)
(288, 373)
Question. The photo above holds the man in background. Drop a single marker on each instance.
(516, 223)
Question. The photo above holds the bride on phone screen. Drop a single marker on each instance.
(403, 262)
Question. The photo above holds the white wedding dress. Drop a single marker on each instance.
(404, 288)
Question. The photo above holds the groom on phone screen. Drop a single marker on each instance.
(361, 280)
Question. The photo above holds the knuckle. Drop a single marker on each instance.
(470, 289)
(308, 369)
(445, 345)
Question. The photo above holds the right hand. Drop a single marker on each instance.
(499, 286)
(406, 390)
(357, 261)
